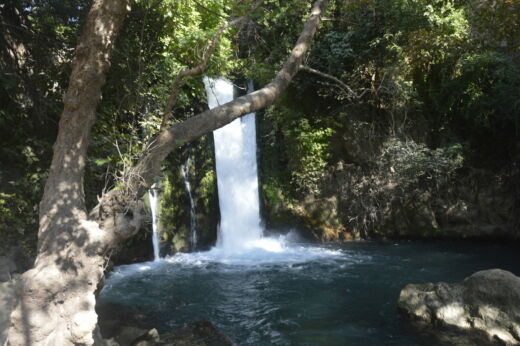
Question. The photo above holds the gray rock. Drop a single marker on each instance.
(7, 302)
(487, 302)
(110, 342)
(129, 334)
(151, 338)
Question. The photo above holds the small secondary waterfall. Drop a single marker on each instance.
(237, 178)
(185, 170)
(153, 196)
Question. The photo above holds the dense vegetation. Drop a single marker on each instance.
(424, 111)
(430, 103)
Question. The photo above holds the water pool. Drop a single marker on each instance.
(301, 294)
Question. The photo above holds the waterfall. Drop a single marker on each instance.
(185, 170)
(153, 197)
(237, 179)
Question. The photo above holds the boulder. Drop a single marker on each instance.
(487, 303)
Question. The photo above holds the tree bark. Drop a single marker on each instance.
(56, 298)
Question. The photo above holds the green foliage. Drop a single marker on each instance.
(41, 35)
(172, 217)
(271, 36)
(175, 216)
(440, 72)
(306, 150)
(155, 44)
(312, 149)
(19, 210)
(206, 191)
(414, 165)
(496, 24)
(487, 110)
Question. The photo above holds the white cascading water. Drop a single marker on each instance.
(185, 170)
(237, 178)
(153, 197)
(240, 239)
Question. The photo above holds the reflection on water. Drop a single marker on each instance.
(299, 294)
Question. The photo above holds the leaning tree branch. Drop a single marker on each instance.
(149, 165)
(180, 79)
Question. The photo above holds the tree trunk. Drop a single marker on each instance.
(56, 297)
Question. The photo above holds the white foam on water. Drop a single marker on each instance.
(267, 251)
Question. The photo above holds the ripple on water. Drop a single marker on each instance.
(301, 295)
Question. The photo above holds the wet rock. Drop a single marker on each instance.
(129, 335)
(125, 326)
(200, 333)
(109, 342)
(113, 318)
(487, 302)
(149, 339)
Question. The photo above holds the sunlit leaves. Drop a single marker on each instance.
(306, 147)
(446, 32)
(188, 30)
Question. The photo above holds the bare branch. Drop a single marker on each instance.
(180, 79)
(350, 93)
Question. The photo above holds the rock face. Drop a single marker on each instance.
(487, 302)
(377, 184)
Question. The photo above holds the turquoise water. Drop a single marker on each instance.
(302, 295)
